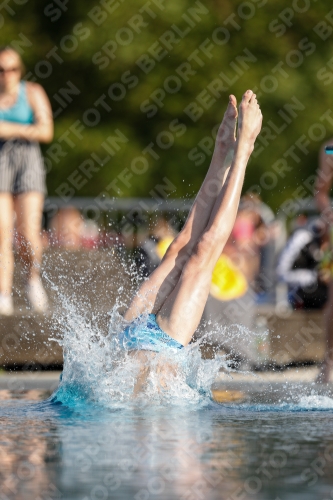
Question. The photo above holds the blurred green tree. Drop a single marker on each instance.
(146, 82)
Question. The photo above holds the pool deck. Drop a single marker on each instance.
(27, 339)
(48, 380)
(271, 387)
(27, 381)
(288, 386)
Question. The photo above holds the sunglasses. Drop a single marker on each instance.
(8, 70)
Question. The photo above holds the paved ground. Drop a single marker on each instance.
(273, 388)
(306, 375)
(26, 381)
(290, 386)
(48, 380)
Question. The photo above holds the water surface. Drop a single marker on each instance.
(215, 451)
(123, 427)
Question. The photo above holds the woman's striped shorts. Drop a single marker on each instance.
(21, 167)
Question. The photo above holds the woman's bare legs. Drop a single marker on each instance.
(28, 208)
(181, 312)
(6, 243)
(162, 281)
(29, 211)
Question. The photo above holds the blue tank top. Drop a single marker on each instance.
(21, 111)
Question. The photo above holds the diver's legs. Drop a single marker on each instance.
(181, 312)
(6, 245)
(162, 281)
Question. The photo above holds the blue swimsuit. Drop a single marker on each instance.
(21, 111)
(21, 164)
(144, 334)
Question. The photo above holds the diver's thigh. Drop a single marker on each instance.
(181, 312)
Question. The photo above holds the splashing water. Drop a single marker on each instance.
(97, 370)
(316, 402)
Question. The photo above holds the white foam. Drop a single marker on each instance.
(316, 402)
(97, 370)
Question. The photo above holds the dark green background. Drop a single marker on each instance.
(45, 25)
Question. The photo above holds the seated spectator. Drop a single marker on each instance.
(90, 235)
(231, 305)
(260, 258)
(66, 229)
(233, 311)
(69, 230)
(150, 253)
(299, 265)
(242, 247)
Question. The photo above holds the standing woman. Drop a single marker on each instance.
(25, 120)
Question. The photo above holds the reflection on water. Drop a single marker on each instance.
(48, 451)
(123, 427)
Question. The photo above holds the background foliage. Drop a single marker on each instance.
(275, 33)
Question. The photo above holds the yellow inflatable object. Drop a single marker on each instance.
(162, 246)
(227, 282)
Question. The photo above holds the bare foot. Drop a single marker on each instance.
(226, 136)
(250, 119)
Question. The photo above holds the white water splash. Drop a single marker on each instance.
(98, 371)
(316, 402)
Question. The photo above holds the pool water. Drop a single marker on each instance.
(144, 426)
(149, 451)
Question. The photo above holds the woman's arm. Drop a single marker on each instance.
(42, 128)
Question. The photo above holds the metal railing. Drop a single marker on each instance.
(95, 207)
